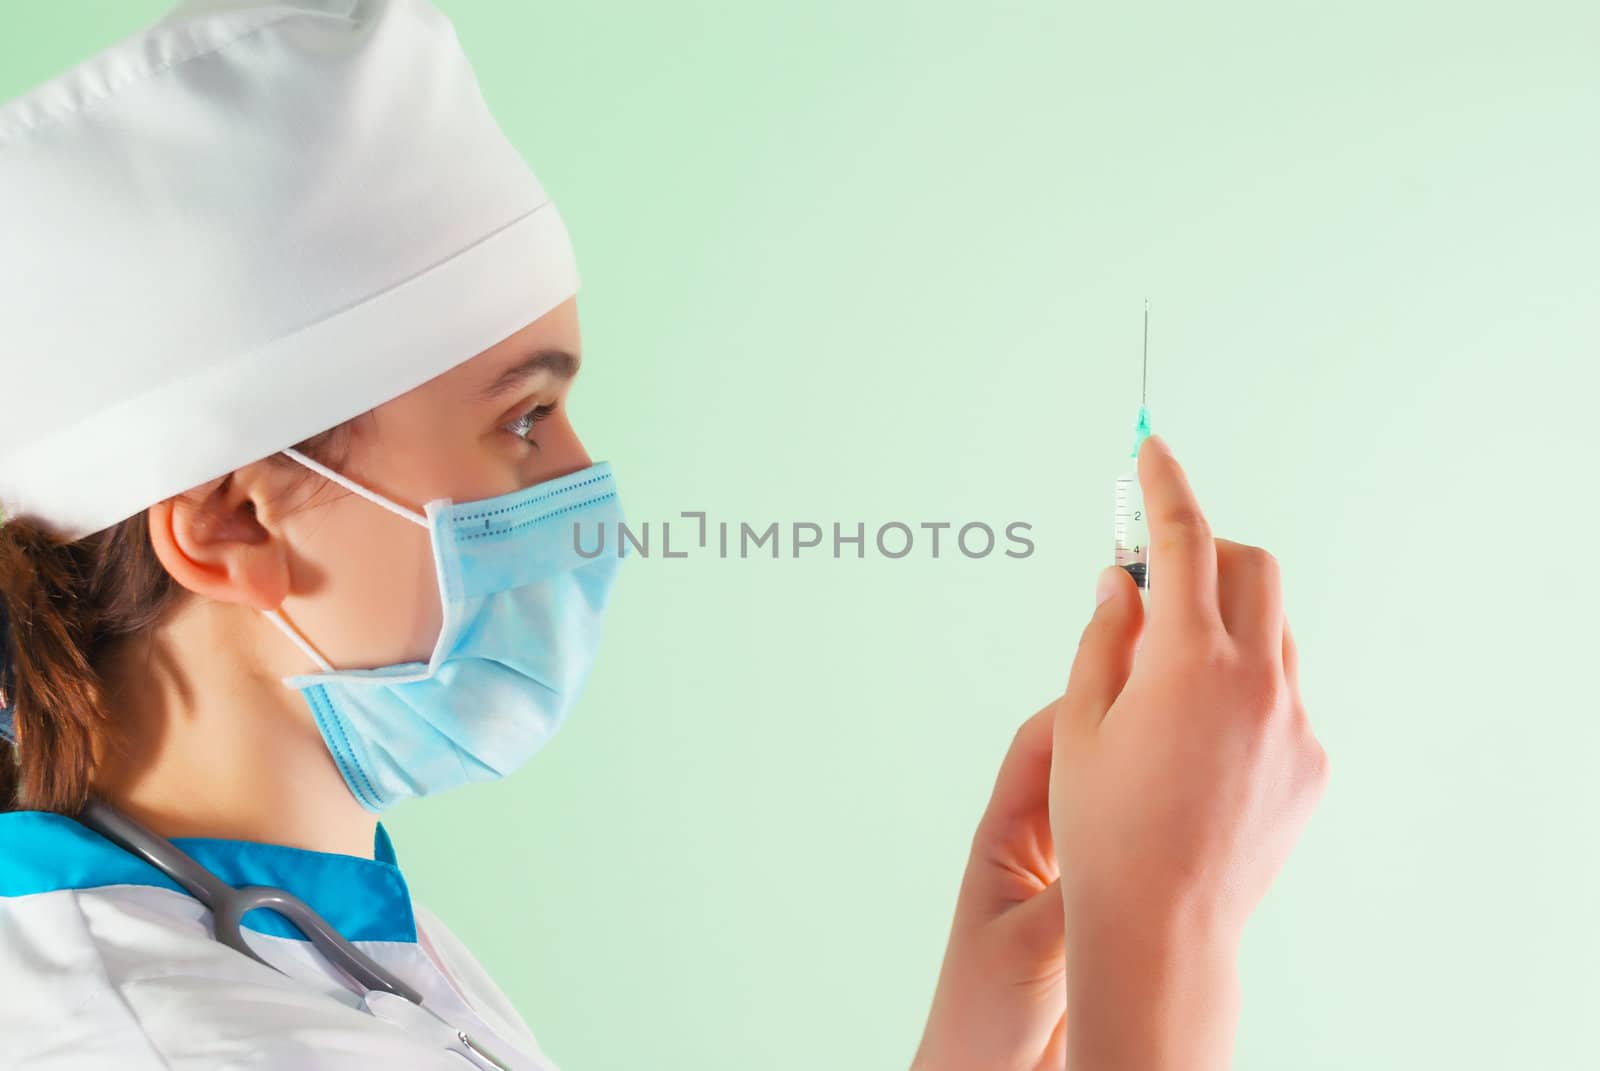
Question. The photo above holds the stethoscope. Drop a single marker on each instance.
(229, 905)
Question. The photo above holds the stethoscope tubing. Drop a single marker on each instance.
(229, 905)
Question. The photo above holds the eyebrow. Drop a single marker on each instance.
(559, 363)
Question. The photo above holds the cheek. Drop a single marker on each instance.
(372, 597)
(414, 600)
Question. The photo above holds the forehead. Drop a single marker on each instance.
(555, 330)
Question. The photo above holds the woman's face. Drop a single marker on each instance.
(357, 580)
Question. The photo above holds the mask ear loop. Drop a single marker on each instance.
(371, 496)
(276, 616)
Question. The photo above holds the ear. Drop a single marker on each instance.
(211, 539)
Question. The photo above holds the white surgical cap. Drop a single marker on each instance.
(242, 226)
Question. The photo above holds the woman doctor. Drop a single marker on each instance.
(290, 489)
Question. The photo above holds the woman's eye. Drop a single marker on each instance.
(521, 426)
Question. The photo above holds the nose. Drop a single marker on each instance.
(560, 450)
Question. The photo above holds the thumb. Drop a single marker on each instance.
(1105, 651)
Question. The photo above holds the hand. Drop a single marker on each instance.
(1001, 1000)
(1181, 779)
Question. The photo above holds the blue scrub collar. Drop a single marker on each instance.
(364, 899)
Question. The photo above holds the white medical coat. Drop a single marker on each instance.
(105, 963)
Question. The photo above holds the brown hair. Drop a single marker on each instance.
(68, 602)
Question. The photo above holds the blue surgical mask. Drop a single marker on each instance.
(523, 582)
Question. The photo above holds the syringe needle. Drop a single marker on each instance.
(1142, 431)
(1144, 381)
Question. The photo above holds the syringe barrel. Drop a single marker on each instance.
(1132, 533)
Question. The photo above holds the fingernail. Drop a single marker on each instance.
(1106, 586)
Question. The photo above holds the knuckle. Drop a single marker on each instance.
(1207, 661)
(1025, 732)
(1257, 688)
(1216, 652)
(1316, 764)
(1189, 524)
(1264, 562)
(1260, 686)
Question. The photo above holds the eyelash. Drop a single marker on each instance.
(521, 426)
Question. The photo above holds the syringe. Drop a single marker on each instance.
(1132, 533)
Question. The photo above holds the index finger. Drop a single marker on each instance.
(1183, 554)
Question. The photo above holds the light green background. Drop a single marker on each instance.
(885, 261)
